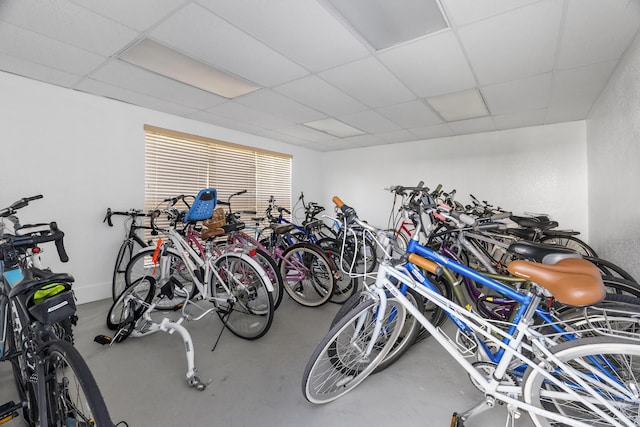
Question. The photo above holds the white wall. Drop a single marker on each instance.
(539, 169)
(84, 154)
(613, 141)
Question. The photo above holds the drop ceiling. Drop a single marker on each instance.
(498, 64)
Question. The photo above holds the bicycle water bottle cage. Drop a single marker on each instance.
(203, 206)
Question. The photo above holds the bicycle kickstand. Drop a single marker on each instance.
(192, 379)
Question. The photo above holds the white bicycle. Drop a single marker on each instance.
(173, 275)
(575, 381)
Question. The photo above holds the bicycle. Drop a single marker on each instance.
(307, 272)
(55, 385)
(514, 363)
(131, 244)
(232, 281)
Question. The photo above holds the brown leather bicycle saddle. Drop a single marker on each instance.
(572, 281)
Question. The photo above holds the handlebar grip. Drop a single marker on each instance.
(426, 264)
(338, 202)
(62, 253)
(39, 196)
(107, 218)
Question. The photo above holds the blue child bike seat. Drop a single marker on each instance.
(203, 206)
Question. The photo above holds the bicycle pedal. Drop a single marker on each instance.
(102, 339)
(9, 411)
(456, 420)
(178, 307)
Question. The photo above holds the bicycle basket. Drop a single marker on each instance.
(203, 205)
(52, 303)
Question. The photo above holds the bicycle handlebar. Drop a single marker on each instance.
(19, 204)
(131, 212)
(56, 235)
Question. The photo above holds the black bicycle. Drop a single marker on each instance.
(131, 244)
(55, 385)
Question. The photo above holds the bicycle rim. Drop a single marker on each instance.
(340, 362)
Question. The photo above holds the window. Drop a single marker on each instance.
(177, 163)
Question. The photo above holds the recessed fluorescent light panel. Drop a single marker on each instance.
(467, 104)
(162, 60)
(334, 127)
(385, 23)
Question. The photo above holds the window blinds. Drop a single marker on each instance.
(177, 163)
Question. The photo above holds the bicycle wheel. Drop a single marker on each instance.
(118, 281)
(73, 396)
(345, 285)
(340, 362)
(273, 272)
(307, 274)
(618, 286)
(570, 242)
(241, 296)
(130, 306)
(170, 274)
(434, 314)
(610, 269)
(611, 366)
(22, 365)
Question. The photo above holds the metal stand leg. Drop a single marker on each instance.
(169, 326)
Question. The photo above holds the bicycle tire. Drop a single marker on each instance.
(169, 271)
(434, 314)
(407, 336)
(22, 368)
(345, 285)
(618, 353)
(273, 272)
(73, 396)
(118, 281)
(337, 365)
(570, 242)
(618, 286)
(610, 269)
(307, 274)
(241, 296)
(129, 307)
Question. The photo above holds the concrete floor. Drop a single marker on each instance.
(258, 383)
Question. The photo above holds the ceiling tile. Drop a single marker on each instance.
(397, 136)
(504, 47)
(33, 47)
(320, 42)
(428, 132)
(37, 71)
(234, 111)
(282, 137)
(138, 14)
(320, 95)
(369, 121)
(462, 105)
(242, 126)
(522, 95)
(580, 86)
(118, 73)
(102, 89)
(412, 114)
(306, 133)
(431, 66)
(68, 23)
(199, 33)
(481, 124)
(462, 12)
(564, 113)
(369, 82)
(365, 140)
(280, 105)
(597, 31)
(519, 120)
